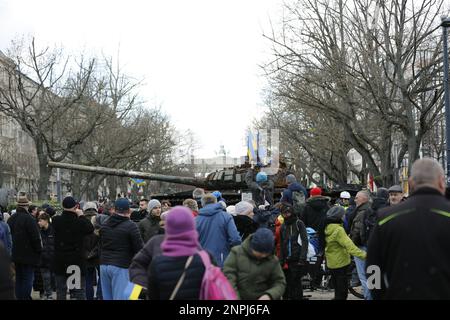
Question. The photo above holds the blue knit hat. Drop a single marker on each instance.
(262, 241)
(261, 177)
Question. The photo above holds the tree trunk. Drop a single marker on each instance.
(44, 170)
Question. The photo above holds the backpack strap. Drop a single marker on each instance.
(180, 281)
(205, 259)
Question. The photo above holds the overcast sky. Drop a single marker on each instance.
(199, 58)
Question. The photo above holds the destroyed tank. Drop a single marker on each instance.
(229, 181)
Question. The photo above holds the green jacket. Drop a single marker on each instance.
(339, 247)
(252, 277)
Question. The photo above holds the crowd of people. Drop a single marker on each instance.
(263, 248)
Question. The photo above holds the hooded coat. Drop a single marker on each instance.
(293, 187)
(315, 211)
(217, 231)
(251, 277)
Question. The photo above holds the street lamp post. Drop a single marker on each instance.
(445, 24)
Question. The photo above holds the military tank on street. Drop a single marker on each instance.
(229, 181)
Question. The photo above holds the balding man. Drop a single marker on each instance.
(411, 241)
(362, 201)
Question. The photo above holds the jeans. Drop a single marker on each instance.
(61, 288)
(361, 268)
(91, 278)
(24, 281)
(114, 281)
(46, 275)
(340, 283)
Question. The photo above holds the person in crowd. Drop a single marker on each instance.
(166, 205)
(262, 187)
(396, 195)
(47, 256)
(411, 243)
(6, 275)
(191, 204)
(253, 269)
(70, 229)
(243, 219)
(294, 248)
(26, 248)
(216, 228)
(177, 274)
(289, 193)
(5, 235)
(149, 226)
(316, 209)
(91, 247)
(363, 204)
(338, 249)
(143, 212)
(120, 240)
(138, 270)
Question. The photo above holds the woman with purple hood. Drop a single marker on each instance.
(178, 272)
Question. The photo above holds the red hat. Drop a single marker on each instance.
(315, 192)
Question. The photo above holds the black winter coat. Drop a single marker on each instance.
(48, 247)
(291, 251)
(245, 226)
(164, 273)
(315, 212)
(70, 232)
(411, 246)
(149, 227)
(120, 240)
(26, 238)
(141, 262)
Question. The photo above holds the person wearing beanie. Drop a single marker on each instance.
(70, 229)
(26, 248)
(315, 209)
(191, 204)
(315, 192)
(180, 250)
(149, 226)
(253, 269)
(216, 228)
(120, 241)
(294, 190)
(244, 219)
(338, 249)
(197, 195)
(292, 254)
(261, 186)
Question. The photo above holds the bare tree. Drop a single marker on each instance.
(371, 66)
(53, 98)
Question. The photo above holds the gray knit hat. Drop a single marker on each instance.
(337, 212)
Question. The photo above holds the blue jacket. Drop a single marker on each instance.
(5, 236)
(287, 193)
(217, 231)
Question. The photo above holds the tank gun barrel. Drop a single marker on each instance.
(131, 174)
